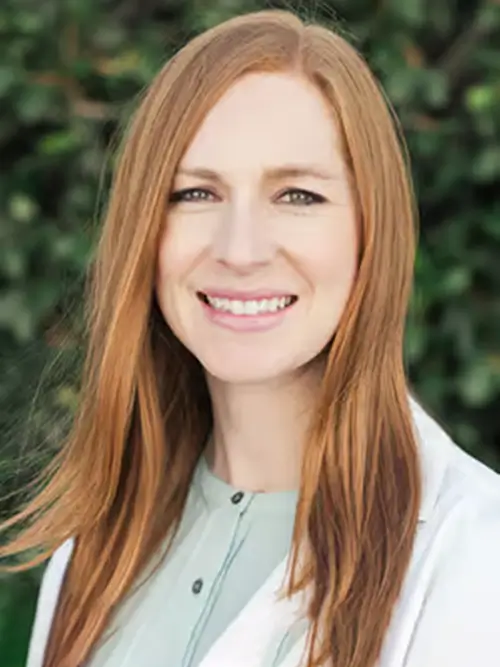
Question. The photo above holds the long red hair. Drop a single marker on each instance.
(120, 482)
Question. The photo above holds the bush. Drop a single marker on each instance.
(68, 73)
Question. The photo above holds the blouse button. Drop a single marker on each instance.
(197, 586)
(237, 497)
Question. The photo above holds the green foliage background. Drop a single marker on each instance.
(69, 71)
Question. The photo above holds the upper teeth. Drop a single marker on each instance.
(254, 307)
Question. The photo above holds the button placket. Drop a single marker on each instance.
(205, 589)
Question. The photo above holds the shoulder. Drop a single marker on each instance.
(459, 543)
(451, 478)
(460, 505)
(47, 601)
(62, 554)
(459, 621)
(56, 568)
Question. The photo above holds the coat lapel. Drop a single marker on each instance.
(262, 622)
(47, 601)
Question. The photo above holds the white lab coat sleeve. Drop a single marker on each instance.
(48, 596)
(459, 624)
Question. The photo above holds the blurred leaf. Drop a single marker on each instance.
(412, 11)
(8, 78)
(35, 103)
(59, 143)
(487, 166)
(481, 98)
(16, 316)
(22, 208)
(478, 383)
(436, 89)
(14, 263)
(17, 608)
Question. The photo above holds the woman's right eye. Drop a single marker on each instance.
(191, 194)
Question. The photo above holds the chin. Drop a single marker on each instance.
(246, 368)
(243, 373)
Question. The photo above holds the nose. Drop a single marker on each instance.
(242, 240)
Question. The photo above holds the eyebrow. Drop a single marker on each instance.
(271, 174)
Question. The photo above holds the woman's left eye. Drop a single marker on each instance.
(301, 197)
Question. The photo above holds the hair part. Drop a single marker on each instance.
(120, 482)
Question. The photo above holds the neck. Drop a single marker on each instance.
(259, 431)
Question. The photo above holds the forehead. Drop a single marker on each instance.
(266, 120)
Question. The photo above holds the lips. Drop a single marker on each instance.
(246, 312)
(247, 304)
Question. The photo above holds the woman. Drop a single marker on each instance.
(245, 419)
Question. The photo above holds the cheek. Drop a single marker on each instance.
(328, 255)
(179, 249)
(330, 266)
(173, 262)
(182, 248)
(169, 262)
(336, 269)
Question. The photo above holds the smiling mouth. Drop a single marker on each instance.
(248, 307)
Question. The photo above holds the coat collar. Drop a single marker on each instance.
(435, 449)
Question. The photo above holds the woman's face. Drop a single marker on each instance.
(259, 253)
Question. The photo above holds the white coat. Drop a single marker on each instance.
(448, 611)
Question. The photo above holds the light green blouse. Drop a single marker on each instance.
(228, 544)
